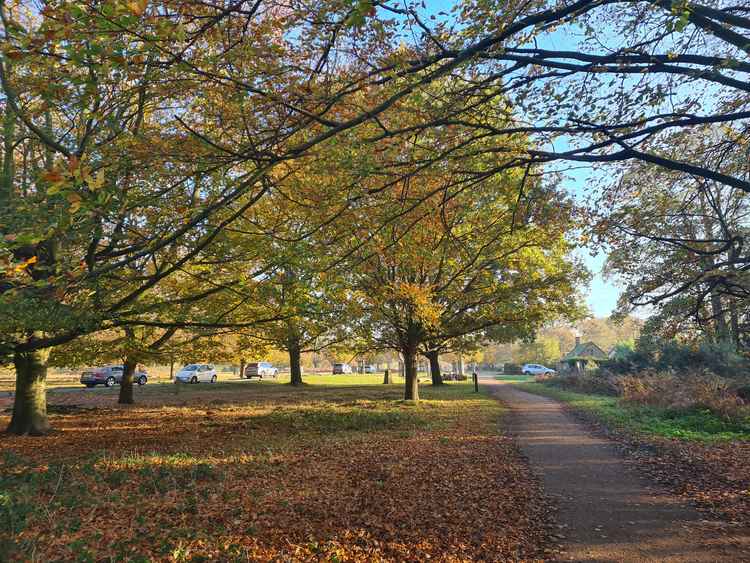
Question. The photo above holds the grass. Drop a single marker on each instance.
(515, 378)
(158, 375)
(248, 470)
(695, 424)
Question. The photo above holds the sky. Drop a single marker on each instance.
(601, 295)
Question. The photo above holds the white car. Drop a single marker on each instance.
(341, 368)
(260, 369)
(536, 369)
(196, 373)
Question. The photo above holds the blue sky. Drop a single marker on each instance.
(601, 296)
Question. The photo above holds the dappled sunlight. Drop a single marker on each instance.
(357, 475)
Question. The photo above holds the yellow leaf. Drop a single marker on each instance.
(75, 201)
(97, 182)
(137, 7)
(23, 265)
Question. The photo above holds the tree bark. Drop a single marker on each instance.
(126, 384)
(243, 363)
(295, 364)
(434, 357)
(387, 376)
(30, 403)
(411, 384)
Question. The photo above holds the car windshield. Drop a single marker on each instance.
(191, 367)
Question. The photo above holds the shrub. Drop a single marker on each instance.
(743, 392)
(671, 355)
(599, 383)
(690, 390)
(627, 362)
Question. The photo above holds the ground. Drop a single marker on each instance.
(262, 471)
(695, 454)
(610, 510)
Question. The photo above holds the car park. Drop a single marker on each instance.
(111, 375)
(341, 369)
(260, 370)
(196, 373)
(536, 369)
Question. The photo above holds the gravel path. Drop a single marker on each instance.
(607, 513)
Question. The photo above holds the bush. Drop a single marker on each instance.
(671, 355)
(599, 383)
(627, 362)
(511, 369)
(690, 390)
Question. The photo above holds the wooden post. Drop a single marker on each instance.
(386, 377)
(475, 379)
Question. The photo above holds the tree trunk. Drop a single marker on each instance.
(387, 376)
(411, 384)
(171, 368)
(735, 325)
(30, 404)
(243, 363)
(434, 357)
(295, 364)
(126, 384)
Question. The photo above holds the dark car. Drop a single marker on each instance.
(109, 375)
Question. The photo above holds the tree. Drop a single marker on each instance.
(462, 262)
(677, 241)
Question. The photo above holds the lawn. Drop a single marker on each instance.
(698, 425)
(339, 470)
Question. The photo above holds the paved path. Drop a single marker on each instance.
(607, 513)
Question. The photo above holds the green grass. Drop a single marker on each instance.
(695, 424)
(515, 378)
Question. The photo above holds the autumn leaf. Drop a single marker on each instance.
(52, 176)
(96, 182)
(25, 264)
(75, 202)
(138, 7)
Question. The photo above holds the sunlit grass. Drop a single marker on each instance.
(691, 424)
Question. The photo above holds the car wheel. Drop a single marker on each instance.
(213, 378)
(142, 380)
(109, 382)
(193, 379)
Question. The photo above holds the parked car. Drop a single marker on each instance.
(260, 370)
(369, 368)
(536, 369)
(196, 373)
(341, 368)
(109, 375)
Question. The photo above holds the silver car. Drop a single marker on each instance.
(536, 369)
(196, 373)
(260, 370)
(109, 375)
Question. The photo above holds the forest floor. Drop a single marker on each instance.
(263, 471)
(628, 498)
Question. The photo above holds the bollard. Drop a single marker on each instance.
(475, 379)
(386, 377)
